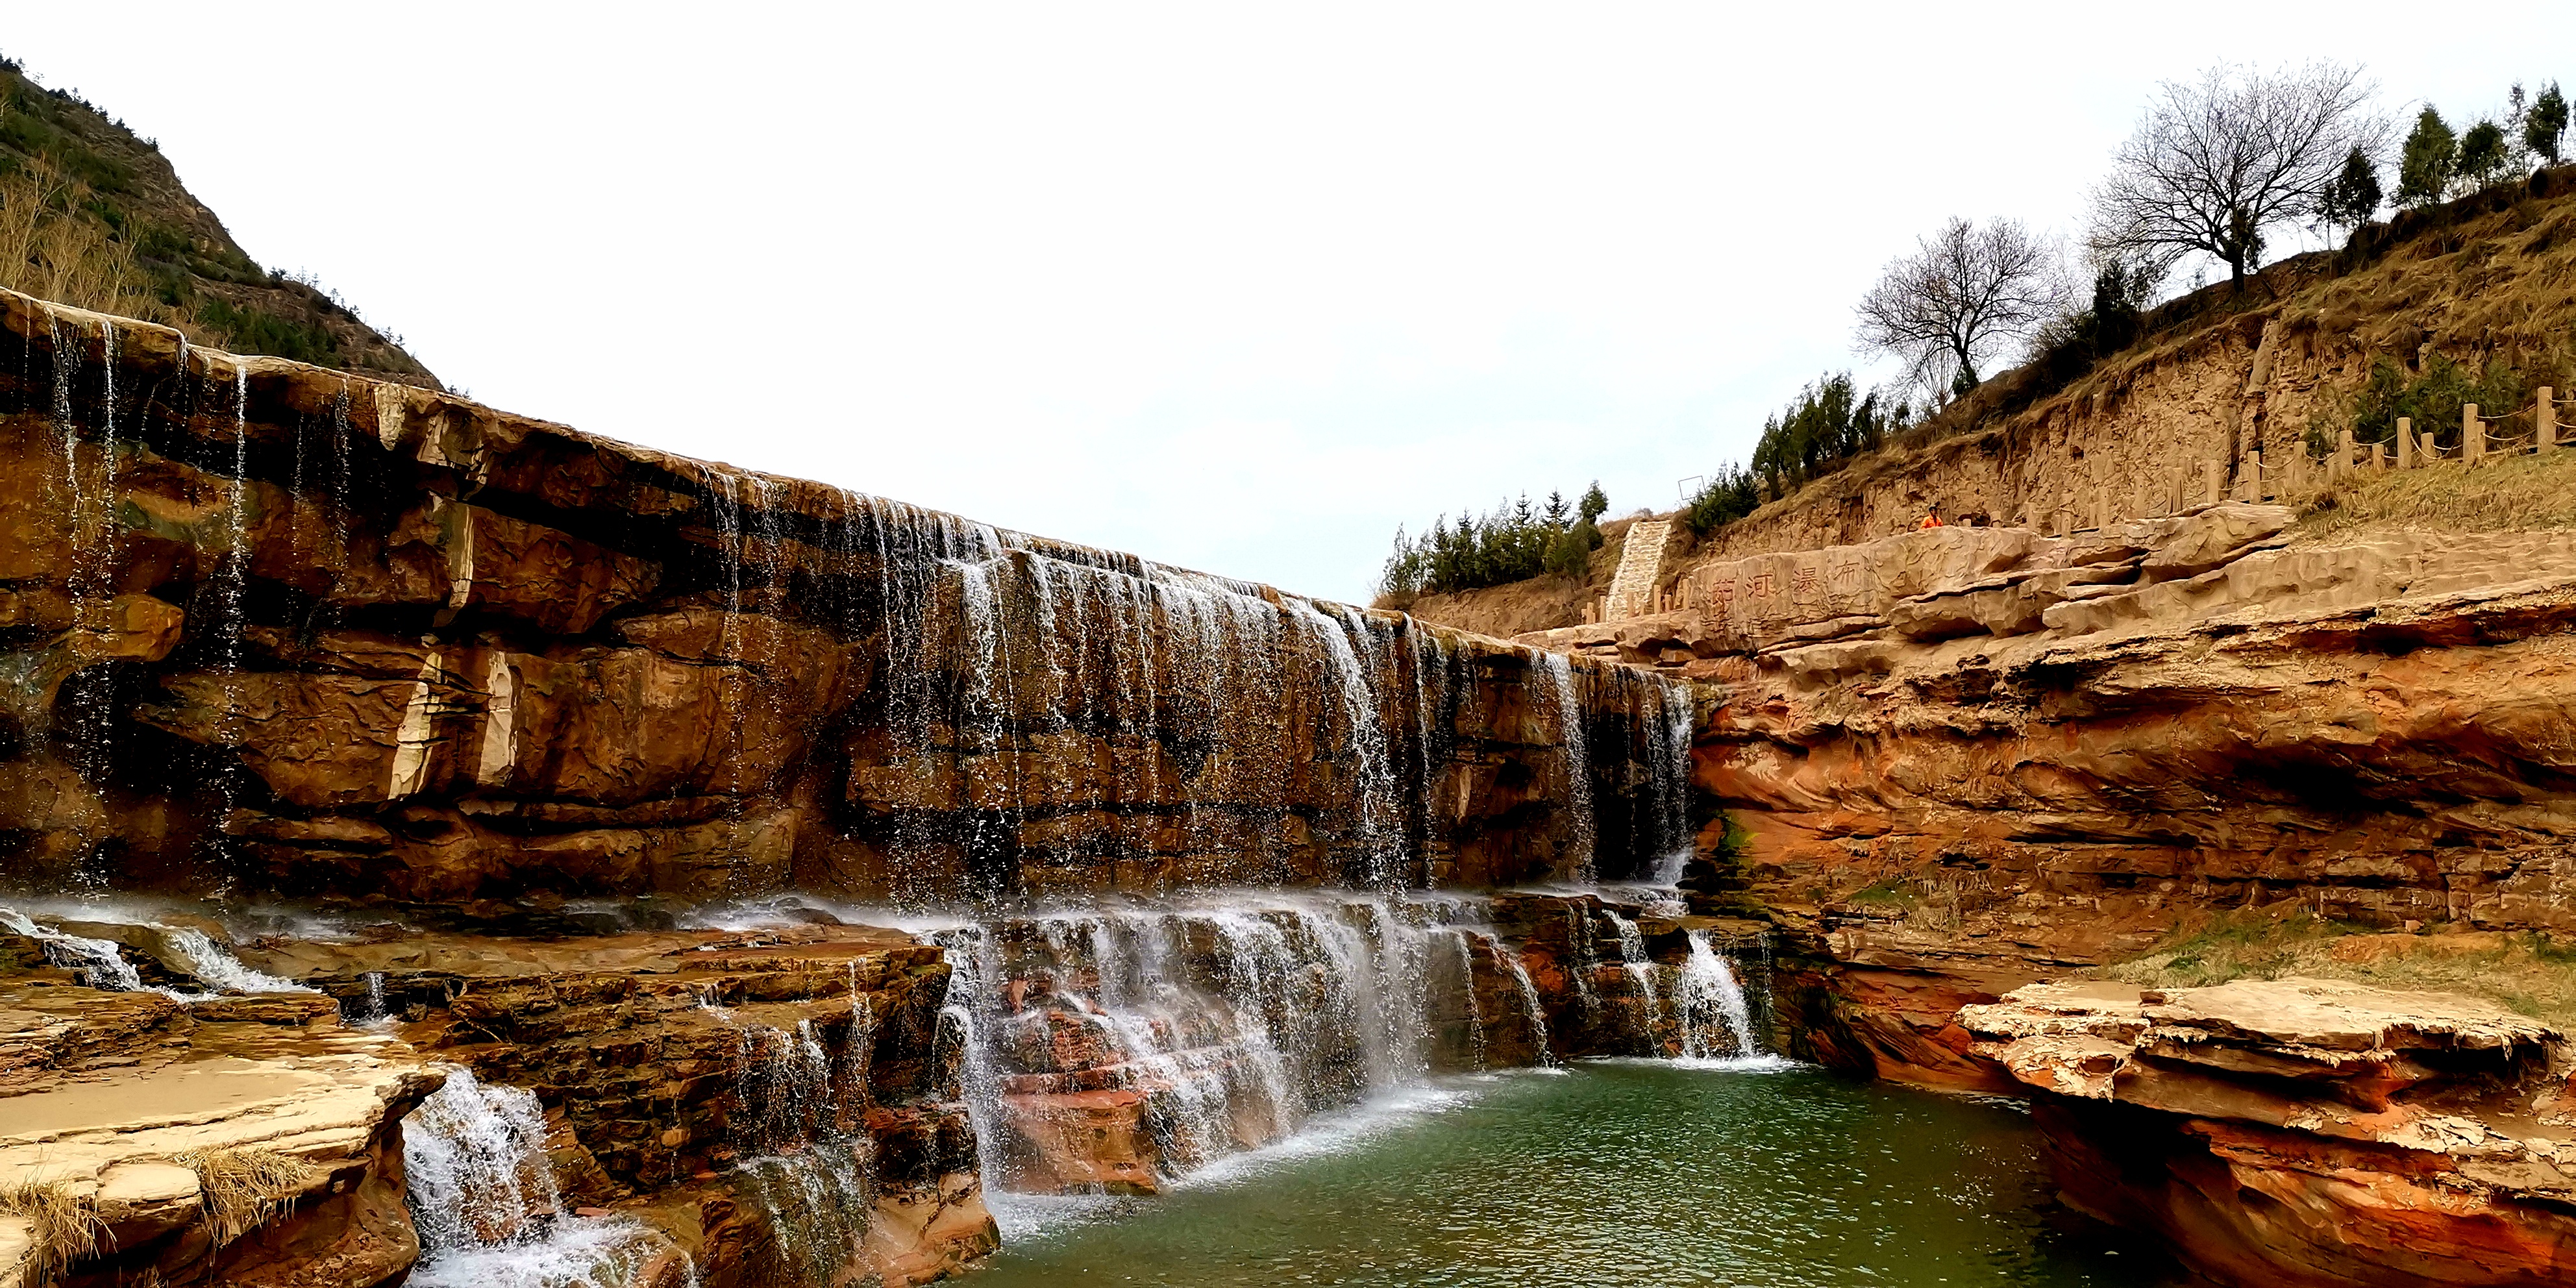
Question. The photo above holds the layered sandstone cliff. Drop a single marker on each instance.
(273, 625)
(1970, 758)
(699, 1090)
(509, 741)
(2305, 1132)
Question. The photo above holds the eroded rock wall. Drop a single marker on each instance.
(729, 1108)
(2304, 1132)
(1963, 760)
(278, 628)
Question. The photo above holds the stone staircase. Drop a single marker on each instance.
(1641, 560)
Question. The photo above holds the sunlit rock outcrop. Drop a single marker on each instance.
(2305, 1132)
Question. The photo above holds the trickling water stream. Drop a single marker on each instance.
(485, 1202)
(101, 963)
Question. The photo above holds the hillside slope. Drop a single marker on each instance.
(2484, 284)
(94, 216)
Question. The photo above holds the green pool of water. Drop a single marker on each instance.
(1610, 1174)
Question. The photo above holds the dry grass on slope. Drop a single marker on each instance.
(63, 1225)
(2530, 974)
(244, 1189)
(2511, 494)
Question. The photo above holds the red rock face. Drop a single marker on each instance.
(274, 625)
(2303, 1132)
(706, 1084)
(1963, 760)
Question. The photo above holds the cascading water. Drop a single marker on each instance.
(485, 1202)
(98, 963)
(1057, 718)
(1641, 974)
(1233, 1020)
(1580, 863)
(800, 1150)
(219, 969)
(1532, 1013)
(1028, 722)
(1710, 1008)
(101, 963)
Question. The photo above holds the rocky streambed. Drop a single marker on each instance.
(771, 1093)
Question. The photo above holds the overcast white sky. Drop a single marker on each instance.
(1235, 288)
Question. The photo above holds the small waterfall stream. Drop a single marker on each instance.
(101, 963)
(1715, 1020)
(485, 1202)
(1228, 1021)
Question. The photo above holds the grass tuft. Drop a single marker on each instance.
(2507, 494)
(244, 1189)
(2531, 973)
(67, 1226)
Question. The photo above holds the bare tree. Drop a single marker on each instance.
(1964, 290)
(2215, 164)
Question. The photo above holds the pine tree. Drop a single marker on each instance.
(2483, 155)
(2545, 124)
(2354, 195)
(2424, 169)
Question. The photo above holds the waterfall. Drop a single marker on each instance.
(818, 1200)
(1230, 1020)
(1465, 959)
(801, 1153)
(1532, 1014)
(483, 1197)
(99, 963)
(1710, 1006)
(1575, 756)
(1641, 975)
(376, 1013)
(1070, 709)
(215, 966)
(1024, 718)
(1669, 741)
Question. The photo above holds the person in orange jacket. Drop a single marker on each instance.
(1932, 516)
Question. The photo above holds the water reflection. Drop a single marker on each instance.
(1627, 1173)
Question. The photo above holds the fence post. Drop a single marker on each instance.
(2405, 443)
(2544, 414)
(2378, 458)
(2343, 452)
(2473, 436)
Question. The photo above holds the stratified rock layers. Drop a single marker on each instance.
(319, 636)
(1967, 759)
(1960, 761)
(2304, 1132)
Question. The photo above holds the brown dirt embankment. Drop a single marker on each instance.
(2489, 278)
